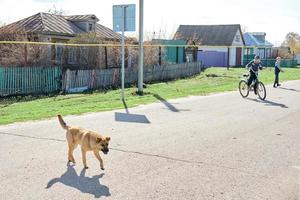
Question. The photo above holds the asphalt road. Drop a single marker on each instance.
(215, 147)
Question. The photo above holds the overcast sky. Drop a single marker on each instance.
(275, 17)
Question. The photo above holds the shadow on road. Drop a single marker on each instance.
(290, 89)
(82, 183)
(168, 104)
(269, 103)
(130, 118)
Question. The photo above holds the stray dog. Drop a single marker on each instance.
(89, 141)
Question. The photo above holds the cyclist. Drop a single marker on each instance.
(254, 66)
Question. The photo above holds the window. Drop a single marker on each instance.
(72, 57)
(90, 27)
(249, 51)
(238, 38)
(268, 53)
(261, 53)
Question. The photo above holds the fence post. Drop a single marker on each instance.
(25, 55)
(159, 55)
(105, 53)
(67, 79)
(177, 55)
(93, 81)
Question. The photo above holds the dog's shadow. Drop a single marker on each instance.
(82, 183)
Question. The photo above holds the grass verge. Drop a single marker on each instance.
(213, 80)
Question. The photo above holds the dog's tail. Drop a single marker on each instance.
(62, 122)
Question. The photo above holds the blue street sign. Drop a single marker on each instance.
(129, 16)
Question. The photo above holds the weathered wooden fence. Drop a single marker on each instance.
(29, 80)
(44, 80)
(80, 80)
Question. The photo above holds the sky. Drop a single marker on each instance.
(162, 17)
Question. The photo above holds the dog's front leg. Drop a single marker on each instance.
(99, 158)
(70, 154)
(84, 158)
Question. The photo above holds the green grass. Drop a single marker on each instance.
(213, 80)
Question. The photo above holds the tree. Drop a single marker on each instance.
(244, 28)
(292, 40)
(56, 11)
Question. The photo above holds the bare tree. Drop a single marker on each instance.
(56, 11)
(2, 24)
(12, 54)
(244, 28)
(21, 54)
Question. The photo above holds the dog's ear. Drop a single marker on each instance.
(107, 139)
(98, 140)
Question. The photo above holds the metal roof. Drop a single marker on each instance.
(210, 35)
(82, 18)
(251, 40)
(105, 32)
(44, 23)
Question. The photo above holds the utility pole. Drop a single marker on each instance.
(141, 48)
(123, 54)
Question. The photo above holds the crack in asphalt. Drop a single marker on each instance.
(197, 163)
(32, 137)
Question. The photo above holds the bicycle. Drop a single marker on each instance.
(245, 89)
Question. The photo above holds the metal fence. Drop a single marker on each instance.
(271, 62)
(45, 80)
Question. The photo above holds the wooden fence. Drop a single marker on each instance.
(29, 80)
(44, 80)
(80, 80)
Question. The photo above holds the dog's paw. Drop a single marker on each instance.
(102, 168)
(86, 167)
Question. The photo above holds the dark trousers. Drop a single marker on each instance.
(276, 82)
(252, 78)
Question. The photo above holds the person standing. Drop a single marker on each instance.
(277, 70)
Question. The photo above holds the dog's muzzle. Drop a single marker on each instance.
(105, 151)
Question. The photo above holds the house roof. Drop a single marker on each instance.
(44, 23)
(252, 40)
(105, 32)
(81, 18)
(210, 35)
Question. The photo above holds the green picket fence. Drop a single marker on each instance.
(271, 62)
(29, 80)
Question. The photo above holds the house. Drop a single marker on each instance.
(297, 57)
(173, 51)
(256, 44)
(218, 45)
(45, 27)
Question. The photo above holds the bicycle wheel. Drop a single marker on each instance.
(261, 91)
(243, 88)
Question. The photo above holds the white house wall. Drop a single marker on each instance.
(238, 41)
(219, 49)
(232, 56)
(298, 58)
